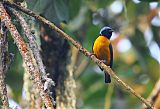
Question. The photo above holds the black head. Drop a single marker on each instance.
(106, 31)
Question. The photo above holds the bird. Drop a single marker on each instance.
(102, 49)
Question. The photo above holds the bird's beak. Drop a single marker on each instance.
(111, 30)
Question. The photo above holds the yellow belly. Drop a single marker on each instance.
(101, 49)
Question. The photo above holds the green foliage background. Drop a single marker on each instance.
(82, 19)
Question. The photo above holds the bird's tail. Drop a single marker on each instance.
(107, 78)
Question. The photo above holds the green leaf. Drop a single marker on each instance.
(91, 35)
(61, 9)
(54, 10)
(74, 7)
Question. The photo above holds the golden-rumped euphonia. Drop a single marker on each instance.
(102, 49)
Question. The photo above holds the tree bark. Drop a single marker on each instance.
(4, 60)
(55, 54)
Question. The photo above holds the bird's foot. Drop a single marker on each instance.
(91, 54)
(103, 61)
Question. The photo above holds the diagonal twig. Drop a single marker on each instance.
(154, 96)
(82, 50)
(34, 46)
(32, 42)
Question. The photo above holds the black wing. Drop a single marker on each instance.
(111, 54)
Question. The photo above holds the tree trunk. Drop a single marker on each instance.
(56, 58)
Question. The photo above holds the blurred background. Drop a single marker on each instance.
(136, 46)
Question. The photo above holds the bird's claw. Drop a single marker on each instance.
(91, 54)
(103, 61)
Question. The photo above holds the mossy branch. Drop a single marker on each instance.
(4, 58)
(82, 50)
(27, 57)
(32, 42)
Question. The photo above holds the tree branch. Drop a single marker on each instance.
(154, 97)
(27, 58)
(33, 45)
(3, 66)
(82, 50)
(32, 42)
